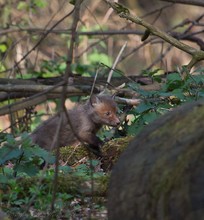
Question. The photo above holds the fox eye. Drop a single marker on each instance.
(107, 113)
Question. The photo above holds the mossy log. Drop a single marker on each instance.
(160, 176)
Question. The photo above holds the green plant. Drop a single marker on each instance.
(36, 192)
(22, 5)
(22, 157)
(23, 184)
(175, 91)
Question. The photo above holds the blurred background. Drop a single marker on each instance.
(101, 34)
(34, 42)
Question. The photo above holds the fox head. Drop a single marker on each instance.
(104, 110)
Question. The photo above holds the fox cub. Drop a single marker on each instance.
(86, 119)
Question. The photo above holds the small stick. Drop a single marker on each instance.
(115, 63)
(94, 82)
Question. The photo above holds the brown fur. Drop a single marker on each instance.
(86, 120)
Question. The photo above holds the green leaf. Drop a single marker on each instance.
(178, 93)
(82, 170)
(134, 129)
(10, 139)
(150, 72)
(3, 178)
(134, 86)
(62, 66)
(3, 48)
(47, 156)
(165, 94)
(157, 79)
(150, 117)
(198, 79)
(143, 107)
(201, 93)
(7, 153)
(22, 5)
(97, 57)
(65, 169)
(40, 3)
(28, 168)
(94, 162)
(174, 81)
(174, 77)
(26, 140)
(72, 2)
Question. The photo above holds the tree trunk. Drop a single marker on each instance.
(161, 174)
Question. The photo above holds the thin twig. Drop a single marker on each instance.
(160, 57)
(57, 153)
(197, 55)
(116, 62)
(94, 82)
(187, 2)
(40, 40)
(63, 96)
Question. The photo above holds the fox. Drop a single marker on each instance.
(85, 119)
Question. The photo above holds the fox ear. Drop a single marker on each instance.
(94, 100)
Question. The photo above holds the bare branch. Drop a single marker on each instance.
(68, 32)
(128, 101)
(160, 57)
(33, 100)
(63, 96)
(197, 55)
(190, 37)
(42, 88)
(187, 2)
(116, 62)
(40, 40)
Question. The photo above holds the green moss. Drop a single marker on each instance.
(111, 151)
(163, 183)
(72, 154)
(177, 126)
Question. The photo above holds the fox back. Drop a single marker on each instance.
(86, 119)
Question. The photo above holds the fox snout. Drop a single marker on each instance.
(115, 122)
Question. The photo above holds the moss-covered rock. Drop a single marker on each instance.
(161, 174)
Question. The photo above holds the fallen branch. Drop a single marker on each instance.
(78, 80)
(44, 96)
(41, 88)
(187, 2)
